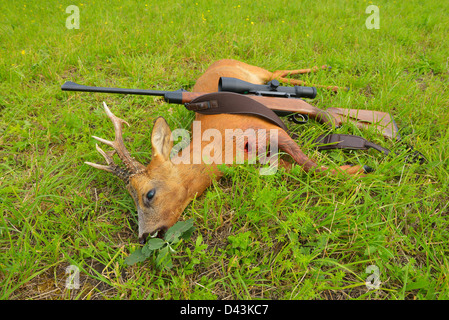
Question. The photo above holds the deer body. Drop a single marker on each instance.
(243, 71)
(163, 189)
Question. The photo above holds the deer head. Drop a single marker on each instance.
(158, 194)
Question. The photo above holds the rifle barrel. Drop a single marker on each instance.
(72, 86)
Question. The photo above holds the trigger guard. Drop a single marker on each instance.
(303, 118)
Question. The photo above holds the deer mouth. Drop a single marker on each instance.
(158, 233)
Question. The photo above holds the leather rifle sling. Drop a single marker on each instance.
(346, 141)
(234, 103)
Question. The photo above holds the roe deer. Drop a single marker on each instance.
(162, 189)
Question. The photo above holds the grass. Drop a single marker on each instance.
(286, 236)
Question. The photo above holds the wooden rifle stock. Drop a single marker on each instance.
(332, 117)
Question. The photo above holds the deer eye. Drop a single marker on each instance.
(150, 194)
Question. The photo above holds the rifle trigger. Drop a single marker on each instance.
(299, 118)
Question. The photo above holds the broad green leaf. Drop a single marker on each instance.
(199, 239)
(178, 230)
(419, 284)
(163, 259)
(135, 257)
(155, 243)
(188, 233)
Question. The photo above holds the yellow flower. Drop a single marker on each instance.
(22, 52)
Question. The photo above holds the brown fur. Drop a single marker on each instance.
(176, 185)
(240, 70)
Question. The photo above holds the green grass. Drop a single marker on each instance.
(286, 236)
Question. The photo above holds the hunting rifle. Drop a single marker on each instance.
(284, 101)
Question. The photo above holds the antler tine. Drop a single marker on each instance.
(111, 167)
(132, 165)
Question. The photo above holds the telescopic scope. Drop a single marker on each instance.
(272, 88)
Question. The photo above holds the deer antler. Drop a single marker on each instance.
(132, 165)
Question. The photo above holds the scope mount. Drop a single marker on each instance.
(272, 94)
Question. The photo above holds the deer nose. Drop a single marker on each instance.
(143, 238)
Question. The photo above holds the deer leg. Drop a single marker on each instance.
(289, 146)
(285, 73)
(282, 74)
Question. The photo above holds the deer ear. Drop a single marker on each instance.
(161, 139)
